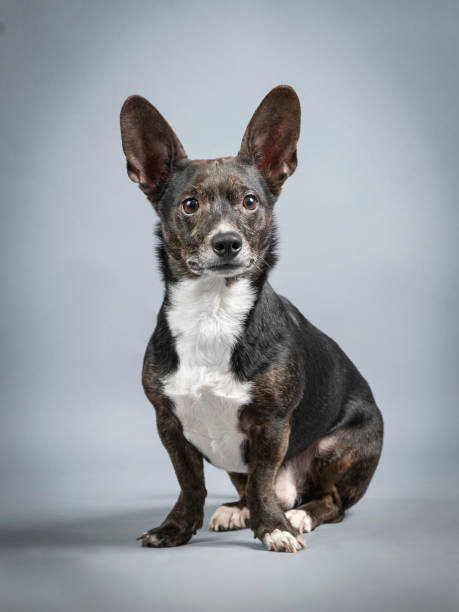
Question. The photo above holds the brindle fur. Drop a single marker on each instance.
(304, 388)
(187, 515)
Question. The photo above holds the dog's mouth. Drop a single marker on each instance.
(221, 269)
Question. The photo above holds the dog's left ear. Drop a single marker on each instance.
(270, 139)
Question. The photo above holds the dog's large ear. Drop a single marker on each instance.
(271, 136)
(152, 149)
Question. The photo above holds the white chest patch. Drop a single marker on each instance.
(206, 318)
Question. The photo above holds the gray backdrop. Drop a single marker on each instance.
(368, 249)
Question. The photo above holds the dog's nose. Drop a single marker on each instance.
(226, 244)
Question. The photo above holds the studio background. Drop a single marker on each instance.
(368, 248)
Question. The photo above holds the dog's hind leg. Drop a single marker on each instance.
(233, 515)
(340, 472)
(327, 509)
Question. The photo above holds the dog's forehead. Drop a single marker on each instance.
(217, 176)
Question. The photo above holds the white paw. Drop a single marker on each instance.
(226, 518)
(148, 539)
(300, 520)
(282, 541)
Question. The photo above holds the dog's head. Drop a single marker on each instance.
(215, 215)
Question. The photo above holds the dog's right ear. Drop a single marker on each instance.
(152, 149)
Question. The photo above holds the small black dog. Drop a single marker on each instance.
(235, 372)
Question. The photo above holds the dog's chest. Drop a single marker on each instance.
(206, 318)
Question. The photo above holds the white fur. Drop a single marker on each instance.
(229, 517)
(206, 317)
(285, 487)
(148, 539)
(300, 520)
(282, 541)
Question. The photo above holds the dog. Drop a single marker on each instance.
(236, 374)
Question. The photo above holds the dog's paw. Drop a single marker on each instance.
(282, 541)
(164, 536)
(228, 518)
(300, 520)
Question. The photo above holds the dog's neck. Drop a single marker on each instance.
(209, 308)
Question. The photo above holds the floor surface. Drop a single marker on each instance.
(386, 555)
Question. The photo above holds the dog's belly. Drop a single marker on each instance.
(210, 424)
(209, 415)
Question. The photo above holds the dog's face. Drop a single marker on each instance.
(216, 215)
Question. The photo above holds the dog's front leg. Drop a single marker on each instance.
(267, 447)
(188, 513)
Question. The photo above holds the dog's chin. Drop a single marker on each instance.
(227, 270)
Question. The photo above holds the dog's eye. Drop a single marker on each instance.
(250, 202)
(190, 206)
